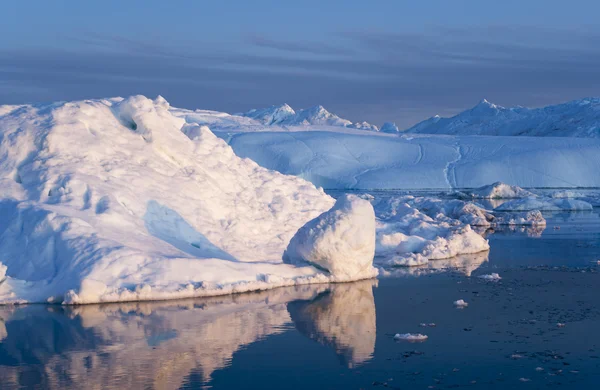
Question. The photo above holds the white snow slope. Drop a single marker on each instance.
(339, 159)
(577, 118)
(108, 200)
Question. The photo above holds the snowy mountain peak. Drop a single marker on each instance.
(271, 115)
(484, 107)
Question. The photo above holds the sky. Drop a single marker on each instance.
(375, 61)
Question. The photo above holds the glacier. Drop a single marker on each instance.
(341, 159)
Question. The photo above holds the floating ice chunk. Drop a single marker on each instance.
(561, 325)
(460, 304)
(538, 369)
(545, 204)
(529, 218)
(566, 194)
(499, 190)
(410, 336)
(493, 277)
(410, 260)
(340, 241)
(525, 379)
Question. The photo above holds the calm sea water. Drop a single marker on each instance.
(341, 336)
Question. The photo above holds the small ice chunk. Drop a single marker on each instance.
(525, 379)
(340, 241)
(493, 277)
(538, 369)
(460, 303)
(561, 325)
(499, 190)
(410, 337)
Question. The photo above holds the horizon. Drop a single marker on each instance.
(402, 63)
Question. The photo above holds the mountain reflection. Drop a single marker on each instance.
(164, 344)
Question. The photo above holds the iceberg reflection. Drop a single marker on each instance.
(165, 344)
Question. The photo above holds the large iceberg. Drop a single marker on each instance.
(119, 199)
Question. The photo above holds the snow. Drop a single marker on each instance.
(545, 204)
(340, 241)
(410, 337)
(499, 190)
(460, 304)
(493, 277)
(577, 118)
(337, 158)
(119, 199)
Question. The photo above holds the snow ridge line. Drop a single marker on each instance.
(450, 169)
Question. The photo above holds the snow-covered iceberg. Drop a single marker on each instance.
(119, 199)
(408, 236)
(340, 241)
(411, 231)
(498, 190)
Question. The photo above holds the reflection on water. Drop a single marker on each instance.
(464, 264)
(160, 344)
(343, 318)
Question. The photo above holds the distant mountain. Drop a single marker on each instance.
(285, 115)
(577, 118)
(271, 115)
(390, 128)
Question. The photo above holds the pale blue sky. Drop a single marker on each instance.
(376, 61)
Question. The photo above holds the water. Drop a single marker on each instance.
(341, 336)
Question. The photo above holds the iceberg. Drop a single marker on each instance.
(340, 241)
(119, 200)
(499, 190)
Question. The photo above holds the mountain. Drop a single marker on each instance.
(284, 115)
(577, 118)
(271, 115)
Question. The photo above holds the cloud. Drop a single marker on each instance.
(367, 75)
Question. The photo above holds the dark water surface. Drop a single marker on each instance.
(341, 336)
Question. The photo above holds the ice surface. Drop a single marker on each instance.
(118, 199)
(336, 158)
(577, 118)
(340, 241)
